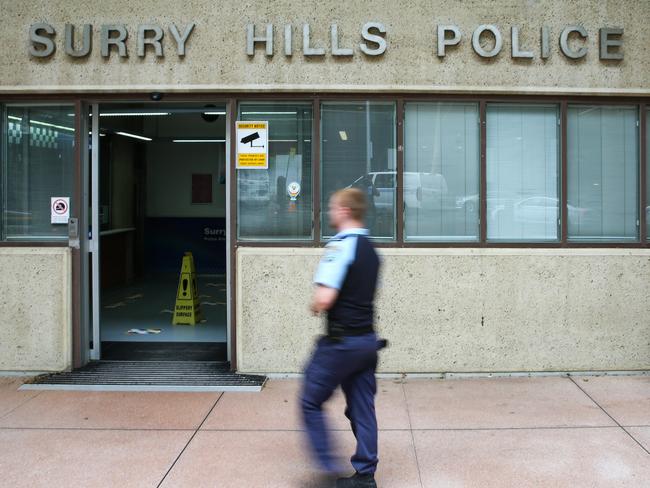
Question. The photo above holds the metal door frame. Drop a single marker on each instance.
(94, 238)
(90, 241)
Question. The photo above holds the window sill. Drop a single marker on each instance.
(33, 244)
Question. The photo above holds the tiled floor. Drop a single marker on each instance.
(148, 304)
(497, 432)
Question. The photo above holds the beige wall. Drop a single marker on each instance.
(216, 58)
(462, 310)
(35, 309)
(169, 179)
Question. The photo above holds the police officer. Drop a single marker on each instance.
(345, 281)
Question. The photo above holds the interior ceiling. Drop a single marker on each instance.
(186, 121)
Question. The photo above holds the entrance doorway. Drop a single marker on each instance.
(158, 193)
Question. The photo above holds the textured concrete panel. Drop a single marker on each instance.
(216, 56)
(462, 310)
(35, 306)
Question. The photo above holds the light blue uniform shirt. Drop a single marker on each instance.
(339, 254)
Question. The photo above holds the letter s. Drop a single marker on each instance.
(379, 40)
(38, 40)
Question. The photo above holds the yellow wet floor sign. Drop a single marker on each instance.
(187, 310)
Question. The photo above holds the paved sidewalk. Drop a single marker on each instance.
(497, 432)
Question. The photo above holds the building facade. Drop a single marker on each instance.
(503, 147)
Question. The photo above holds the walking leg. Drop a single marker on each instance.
(360, 391)
(319, 384)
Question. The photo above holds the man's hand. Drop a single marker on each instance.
(323, 299)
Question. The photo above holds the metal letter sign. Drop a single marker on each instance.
(252, 145)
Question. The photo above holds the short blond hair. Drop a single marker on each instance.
(354, 199)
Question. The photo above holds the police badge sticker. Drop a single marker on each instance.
(293, 189)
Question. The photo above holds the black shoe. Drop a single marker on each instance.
(357, 481)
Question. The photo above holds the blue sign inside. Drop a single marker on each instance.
(168, 238)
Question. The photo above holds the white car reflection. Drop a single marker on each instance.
(544, 210)
(421, 190)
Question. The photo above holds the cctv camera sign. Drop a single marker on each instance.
(252, 145)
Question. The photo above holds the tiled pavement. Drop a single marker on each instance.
(496, 432)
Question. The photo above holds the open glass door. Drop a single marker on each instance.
(90, 239)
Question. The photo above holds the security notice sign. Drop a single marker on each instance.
(252, 145)
(60, 210)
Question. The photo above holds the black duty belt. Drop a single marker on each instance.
(336, 330)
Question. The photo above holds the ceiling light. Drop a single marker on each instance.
(45, 124)
(134, 136)
(199, 140)
(343, 135)
(131, 114)
(268, 113)
(214, 113)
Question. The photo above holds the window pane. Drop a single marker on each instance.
(265, 209)
(441, 178)
(39, 166)
(602, 173)
(522, 172)
(358, 149)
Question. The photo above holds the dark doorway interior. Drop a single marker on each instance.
(162, 194)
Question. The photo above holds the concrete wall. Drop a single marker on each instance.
(216, 59)
(462, 310)
(35, 309)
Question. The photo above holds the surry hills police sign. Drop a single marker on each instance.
(486, 40)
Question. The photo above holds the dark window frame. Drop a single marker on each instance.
(233, 99)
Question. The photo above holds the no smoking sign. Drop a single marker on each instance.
(60, 210)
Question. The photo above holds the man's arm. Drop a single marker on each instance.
(331, 273)
(323, 299)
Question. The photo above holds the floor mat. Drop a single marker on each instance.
(149, 376)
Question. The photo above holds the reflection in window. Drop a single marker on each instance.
(522, 172)
(265, 208)
(39, 165)
(441, 172)
(602, 173)
(358, 150)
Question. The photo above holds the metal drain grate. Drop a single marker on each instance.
(149, 376)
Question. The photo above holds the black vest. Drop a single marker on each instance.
(354, 305)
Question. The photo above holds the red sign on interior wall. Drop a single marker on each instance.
(201, 188)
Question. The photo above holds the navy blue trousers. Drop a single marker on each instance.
(350, 363)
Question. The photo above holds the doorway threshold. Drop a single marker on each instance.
(165, 351)
(181, 376)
